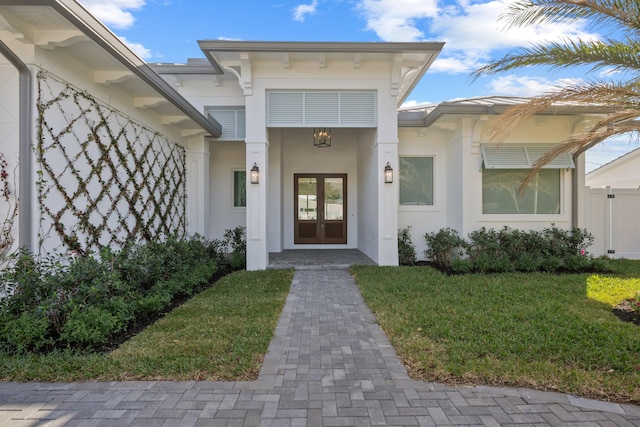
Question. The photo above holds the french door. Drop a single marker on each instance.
(320, 204)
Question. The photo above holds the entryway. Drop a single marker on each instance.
(302, 259)
(320, 208)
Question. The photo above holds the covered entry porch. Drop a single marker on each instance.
(284, 90)
(301, 259)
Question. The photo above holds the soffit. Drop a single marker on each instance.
(450, 111)
(65, 25)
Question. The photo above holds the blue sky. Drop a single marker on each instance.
(168, 30)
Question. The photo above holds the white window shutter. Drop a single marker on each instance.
(512, 156)
(563, 161)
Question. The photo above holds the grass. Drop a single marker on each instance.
(221, 334)
(544, 331)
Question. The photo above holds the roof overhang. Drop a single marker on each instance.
(429, 115)
(409, 60)
(68, 25)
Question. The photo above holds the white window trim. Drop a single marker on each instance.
(436, 191)
(563, 215)
(232, 207)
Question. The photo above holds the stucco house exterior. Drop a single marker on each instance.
(306, 144)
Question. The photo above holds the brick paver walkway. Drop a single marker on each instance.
(329, 364)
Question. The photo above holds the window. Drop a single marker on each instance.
(239, 189)
(416, 181)
(500, 192)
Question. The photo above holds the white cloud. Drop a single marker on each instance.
(301, 11)
(138, 48)
(471, 31)
(512, 85)
(114, 13)
(397, 20)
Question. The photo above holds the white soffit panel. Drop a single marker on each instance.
(508, 156)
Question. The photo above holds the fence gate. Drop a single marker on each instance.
(613, 217)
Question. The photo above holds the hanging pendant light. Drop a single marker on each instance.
(322, 137)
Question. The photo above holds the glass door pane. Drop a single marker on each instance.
(333, 199)
(307, 199)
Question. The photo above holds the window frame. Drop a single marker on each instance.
(531, 217)
(232, 198)
(425, 207)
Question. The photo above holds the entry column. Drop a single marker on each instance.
(257, 157)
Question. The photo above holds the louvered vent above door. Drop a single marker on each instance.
(322, 109)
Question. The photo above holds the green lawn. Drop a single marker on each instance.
(221, 334)
(545, 331)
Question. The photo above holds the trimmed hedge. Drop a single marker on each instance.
(507, 250)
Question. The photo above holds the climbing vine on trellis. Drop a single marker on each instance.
(8, 211)
(103, 179)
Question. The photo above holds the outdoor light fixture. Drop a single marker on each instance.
(322, 137)
(388, 174)
(255, 174)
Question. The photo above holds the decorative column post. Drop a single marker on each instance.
(257, 158)
(387, 154)
(257, 153)
(198, 183)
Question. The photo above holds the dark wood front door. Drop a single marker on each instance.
(320, 204)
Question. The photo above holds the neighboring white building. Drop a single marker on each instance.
(125, 149)
(623, 172)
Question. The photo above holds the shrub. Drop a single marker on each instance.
(507, 250)
(83, 302)
(444, 246)
(236, 239)
(26, 332)
(406, 248)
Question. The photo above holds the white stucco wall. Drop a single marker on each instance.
(454, 144)
(418, 142)
(224, 159)
(368, 200)
(66, 67)
(9, 149)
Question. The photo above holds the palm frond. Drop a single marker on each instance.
(619, 56)
(623, 14)
(618, 98)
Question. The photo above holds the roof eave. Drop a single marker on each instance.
(102, 36)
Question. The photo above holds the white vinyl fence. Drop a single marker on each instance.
(613, 217)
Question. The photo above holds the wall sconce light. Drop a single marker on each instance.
(388, 174)
(255, 174)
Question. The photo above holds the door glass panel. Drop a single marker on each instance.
(307, 199)
(333, 199)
